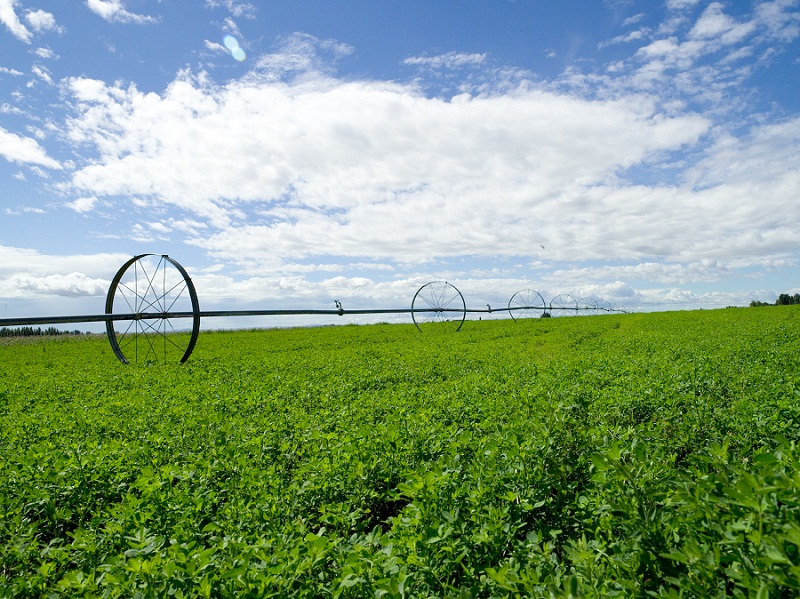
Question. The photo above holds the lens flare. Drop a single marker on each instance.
(231, 43)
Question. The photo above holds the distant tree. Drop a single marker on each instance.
(784, 299)
(758, 304)
(37, 332)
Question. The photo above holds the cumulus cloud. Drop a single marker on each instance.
(45, 53)
(780, 20)
(681, 4)
(41, 20)
(361, 168)
(236, 8)
(631, 36)
(13, 259)
(284, 170)
(114, 11)
(24, 150)
(714, 23)
(82, 205)
(25, 273)
(70, 285)
(9, 18)
(766, 157)
(700, 58)
(42, 73)
(613, 184)
(215, 47)
(23, 210)
(300, 53)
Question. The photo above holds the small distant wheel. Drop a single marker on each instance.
(604, 307)
(145, 296)
(436, 303)
(563, 305)
(588, 306)
(526, 303)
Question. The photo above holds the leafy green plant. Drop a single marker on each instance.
(621, 455)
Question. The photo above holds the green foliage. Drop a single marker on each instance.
(37, 332)
(784, 299)
(619, 455)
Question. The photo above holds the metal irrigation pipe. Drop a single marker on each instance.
(149, 290)
(37, 320)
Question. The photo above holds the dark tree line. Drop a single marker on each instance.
(784, 299)
(37, 332)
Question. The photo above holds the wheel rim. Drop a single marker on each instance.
(526, 303)
(438, 302)
(147, 293)
(563, 305)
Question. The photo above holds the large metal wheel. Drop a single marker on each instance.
(147, 293)
(563, 305)
(438, 302)
(526, 303)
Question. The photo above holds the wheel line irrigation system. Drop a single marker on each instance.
(151, 290)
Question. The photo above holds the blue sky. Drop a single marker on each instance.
(289, 153)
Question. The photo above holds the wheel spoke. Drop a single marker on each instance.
(427, 301)
(177, 297)
(125, 297)
(564, 304)
(437, 302)
(526, 304)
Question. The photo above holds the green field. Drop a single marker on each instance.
(621, 455)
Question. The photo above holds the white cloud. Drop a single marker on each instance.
(780, 21)
(45, 53)
(634, 19)
(701, 60)
(42, 73)
(301, 53)
(82, 205)
(71, 285)
(41, 20)
(321, 181)
(23, 210)
(768, 157)
(714, 23)
(230, 26)
(681, 4)
(450, 60)
(9, 18)
(237, 9)
(24, 150)
(631, 36)
(679, 296)
(215, 47)
(362, 168)
(114, 11)
(25, 273)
